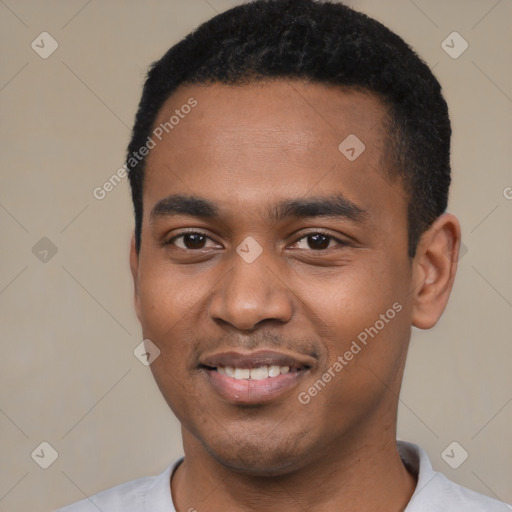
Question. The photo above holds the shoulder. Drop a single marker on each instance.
(453, 496)
(436, 493)
(150, 493)
(127, 496)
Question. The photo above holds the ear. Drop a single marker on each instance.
(134, 267)
(434, 268)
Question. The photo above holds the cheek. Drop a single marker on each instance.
(362, 314)
(166, 311)
(353, 297)
(165, 299)
(369, 314)
(163, 316)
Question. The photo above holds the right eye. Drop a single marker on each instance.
(189, 240)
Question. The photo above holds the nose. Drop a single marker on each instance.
(251, 294)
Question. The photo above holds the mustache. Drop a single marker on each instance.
(258, 340)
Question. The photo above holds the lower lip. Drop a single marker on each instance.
(249, 391)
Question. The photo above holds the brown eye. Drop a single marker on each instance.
(189, 241)
(194, 240)
(317, 241)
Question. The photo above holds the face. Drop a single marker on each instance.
(273, 273)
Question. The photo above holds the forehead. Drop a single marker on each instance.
(301, 113)
(251, 143)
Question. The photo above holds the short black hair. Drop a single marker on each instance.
(320, 42)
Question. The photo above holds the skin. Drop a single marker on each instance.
(247, 148)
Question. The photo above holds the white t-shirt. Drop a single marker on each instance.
(433, 493)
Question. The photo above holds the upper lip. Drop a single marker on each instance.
(255, 359)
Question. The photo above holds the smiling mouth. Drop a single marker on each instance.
(256, 377)
(258, 373)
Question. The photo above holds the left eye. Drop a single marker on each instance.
(318, 241)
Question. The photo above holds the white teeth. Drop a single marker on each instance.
(242, 373)
(260, 373)
(274, 371)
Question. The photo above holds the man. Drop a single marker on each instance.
(290, 168)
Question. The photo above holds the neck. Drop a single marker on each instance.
(355, 474)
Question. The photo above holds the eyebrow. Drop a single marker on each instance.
(336, 206)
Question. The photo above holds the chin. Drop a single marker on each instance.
(262, 455)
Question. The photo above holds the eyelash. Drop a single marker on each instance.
(316, 232)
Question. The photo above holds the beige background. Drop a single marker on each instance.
(68, 331)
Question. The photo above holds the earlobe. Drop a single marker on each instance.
(134, 267)
(434, 268)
